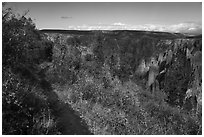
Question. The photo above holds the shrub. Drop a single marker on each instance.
(22, 43)
(24, 107)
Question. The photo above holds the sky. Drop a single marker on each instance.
(174, 16)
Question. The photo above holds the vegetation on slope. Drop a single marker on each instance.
(86, 84)
(29, 105)
(96, 80)
(25, 109)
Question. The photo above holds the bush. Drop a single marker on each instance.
(22, 43)
(24, 107)
(171, 120)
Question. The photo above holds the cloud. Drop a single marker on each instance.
(65, 17)
(191, 29)
(118, 24)
(186, 28)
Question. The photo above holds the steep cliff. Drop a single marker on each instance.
(123, 50)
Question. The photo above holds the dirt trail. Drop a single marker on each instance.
(68, 122)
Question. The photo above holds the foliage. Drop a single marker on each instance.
(178, 78)
(127, 109)
(22, 43)
(109, 101)
(25, 109)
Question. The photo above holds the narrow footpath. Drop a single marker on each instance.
(68, 121)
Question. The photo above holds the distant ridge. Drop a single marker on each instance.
(74, 32)
(193, 37)
(156, 34)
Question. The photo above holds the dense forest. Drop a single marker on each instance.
(99, 82)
